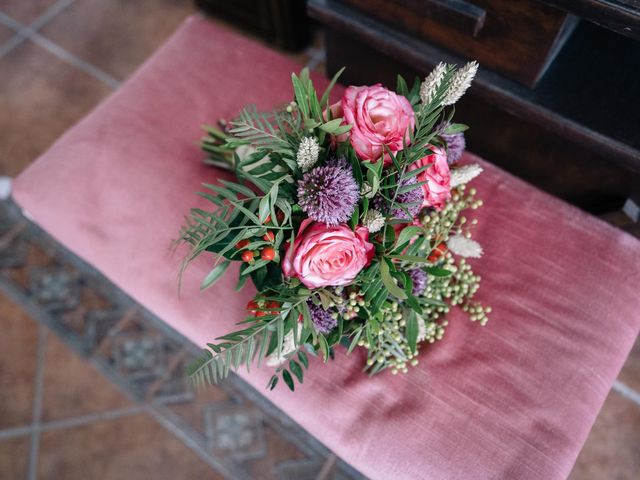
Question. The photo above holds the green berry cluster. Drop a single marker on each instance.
(348, 303)
(391, 348)
(439, 224)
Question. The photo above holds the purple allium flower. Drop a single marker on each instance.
(329, 193)
(455, 144)
(420, 279)
(411, 200)
(321, 318)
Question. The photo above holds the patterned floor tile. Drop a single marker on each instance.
(612, 450)
(18, 358)
(117, 35)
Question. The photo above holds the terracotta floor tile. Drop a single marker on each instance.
(25, 11)
(130, 447)
(14, 458)
(612, 450)
(630, 374)
(72, 387)
(5, 34)
(117, 35)
(18, 347)
(40, 98)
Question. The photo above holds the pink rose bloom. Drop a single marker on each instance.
(437, 190)
(378, 117)
(323, 256)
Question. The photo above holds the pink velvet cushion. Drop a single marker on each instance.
(514, 400)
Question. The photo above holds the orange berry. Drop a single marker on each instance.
(269, 237)
(247, 256)
(252, 305)
(437, 252)
(242, 243)
(268, 253)
(260, 314)
(268, 219)
(273, 304)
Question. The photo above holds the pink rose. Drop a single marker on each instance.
(437, 190)
(378, 117)
(321, 256)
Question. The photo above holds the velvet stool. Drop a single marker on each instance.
(513, 400)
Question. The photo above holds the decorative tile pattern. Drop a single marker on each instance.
(55, 289)
(235, 431)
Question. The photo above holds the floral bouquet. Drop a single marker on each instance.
(346, 218)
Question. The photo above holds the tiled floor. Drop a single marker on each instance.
(60, 416)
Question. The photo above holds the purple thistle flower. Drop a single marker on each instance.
(411, 200)
(329, 193)
(455, 143)
(420, 280)
(321, 318)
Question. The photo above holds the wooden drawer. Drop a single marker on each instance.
(518, 38)
(281, 22)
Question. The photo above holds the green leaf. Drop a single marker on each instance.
(324, 101)
(456, 128)
(296, 369)
(273, 381)
(391, 286)
(401, 86)
(412, 331)
(354, 341)
(355, 217)
(286, 376)
(407, 234)
(264, 208)
(303, 359)
(438, 272)
(324, 347)
(331, 126)
(409, 258)
(214, 275)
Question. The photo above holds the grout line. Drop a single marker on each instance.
(70, 422)
(23, 31)
(77, 62)
(15, 432)
(12, 43)
(50, 14)
(31, 33)
(627, 392)
(91, 418)
(37, 405)
(9, 22)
